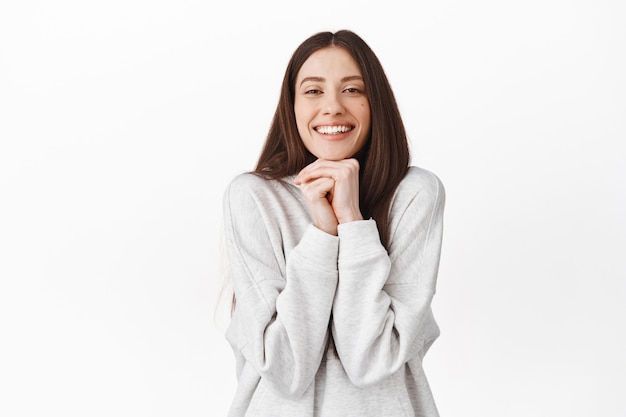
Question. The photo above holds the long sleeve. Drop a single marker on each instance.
(283, 302)
(382, 309)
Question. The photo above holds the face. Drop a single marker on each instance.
(331, 106)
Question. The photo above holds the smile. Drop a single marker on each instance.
(333, 130)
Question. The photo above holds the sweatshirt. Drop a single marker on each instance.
(331, 326)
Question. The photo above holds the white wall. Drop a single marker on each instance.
(122, 121)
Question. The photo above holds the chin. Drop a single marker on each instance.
(334, 158)
(333, 155)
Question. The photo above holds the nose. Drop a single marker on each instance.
(333, 104)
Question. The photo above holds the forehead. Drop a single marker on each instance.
(329, 61)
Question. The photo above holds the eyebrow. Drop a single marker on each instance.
(321, 79)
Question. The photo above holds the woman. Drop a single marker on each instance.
(333, 246)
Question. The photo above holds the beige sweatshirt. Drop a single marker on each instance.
(331, 326)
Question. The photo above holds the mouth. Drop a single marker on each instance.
(333, 130)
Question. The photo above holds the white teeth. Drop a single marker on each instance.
(332, 130)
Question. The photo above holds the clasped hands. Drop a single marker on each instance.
(331, 190)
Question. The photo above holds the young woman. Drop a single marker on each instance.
(333, 245)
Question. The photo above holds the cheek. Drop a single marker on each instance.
(301, 122)
(298, 116)
(364, 108)
(300, 112)
(366, 113)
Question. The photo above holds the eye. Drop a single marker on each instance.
(353, 90)
(312, 91)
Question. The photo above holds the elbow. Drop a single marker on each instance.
(374, 364)
(293, 389)
(291, 380)
(361, 379)
(297, 391)
(364, 371)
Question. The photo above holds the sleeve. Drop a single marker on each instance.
(281, 317)
(382, 310)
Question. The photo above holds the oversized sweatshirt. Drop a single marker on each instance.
(331, 326)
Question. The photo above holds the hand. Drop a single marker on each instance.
(331, 189)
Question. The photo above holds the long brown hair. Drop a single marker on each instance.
(386, 157)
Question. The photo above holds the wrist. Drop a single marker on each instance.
(350, 217)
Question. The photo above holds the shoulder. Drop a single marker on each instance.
(249, 188)
(420, 181)
(245, 181)
(242, 181)
(418, 200)
(242, 187)
(420, 191)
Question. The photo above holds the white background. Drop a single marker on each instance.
(122, 121)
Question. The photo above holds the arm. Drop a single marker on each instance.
(280, 323)
(382, 310)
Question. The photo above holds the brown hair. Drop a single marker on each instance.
(385, 158)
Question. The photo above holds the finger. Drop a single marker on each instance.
(317, 188)
(336, 170)
(305, 173)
